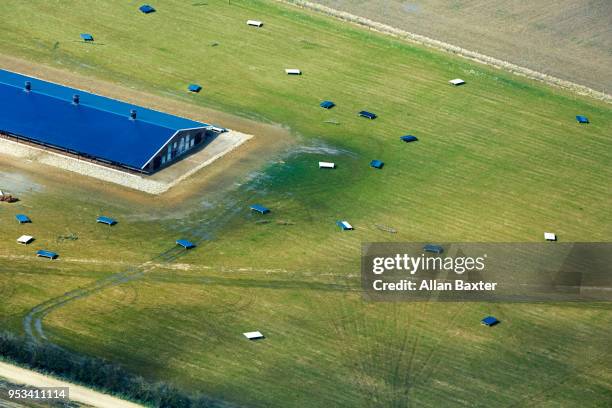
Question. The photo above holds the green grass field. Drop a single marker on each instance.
(500, 159)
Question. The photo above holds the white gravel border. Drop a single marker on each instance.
(142, 183)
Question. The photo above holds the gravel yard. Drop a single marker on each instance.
(157, 183)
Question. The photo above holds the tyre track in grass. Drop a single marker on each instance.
(416, 371)
(430, 365)
(401, 355)
(555, 382)
(33, 320)
(412, 359)
(203, 231)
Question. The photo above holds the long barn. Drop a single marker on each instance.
(94, 127)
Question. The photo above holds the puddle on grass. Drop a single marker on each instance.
(208, 205)
(256, 180)
(204, 224)
(290, 174)
(319, 147)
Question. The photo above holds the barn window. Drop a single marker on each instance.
(182, 145)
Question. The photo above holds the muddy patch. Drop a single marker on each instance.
(17, 183)
(321, 148)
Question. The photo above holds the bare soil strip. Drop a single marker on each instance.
(450, 48)
(18, 375)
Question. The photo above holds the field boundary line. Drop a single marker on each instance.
(450, 48)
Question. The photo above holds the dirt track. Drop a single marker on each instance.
(18, 375)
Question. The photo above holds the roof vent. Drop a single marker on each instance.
(75, 99)
(27, 86)
(133, 114)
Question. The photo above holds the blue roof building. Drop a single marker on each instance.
(409, 138)
(185, 244)
(92, 126)
(582, 119)
(87, 37)
(260, 209)
(367, 115)
(22, 219)
(106, 220)
(327, 104)
(145, 8)
(46, 254)
(489, 321)
(436, 249)
(377, 164)
(194, 88)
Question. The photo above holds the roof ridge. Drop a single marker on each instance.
(164, 115)
(101, 109)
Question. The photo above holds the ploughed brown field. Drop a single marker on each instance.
(569, 39)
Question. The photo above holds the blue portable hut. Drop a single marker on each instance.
(106, 220)
(46, 254)
(145, 8)
(436, 249)
(368, 115)
(185, 244)
(377, 164)
(194, 88)
(327, 104)
(87, 37)
(582, 119)
(260, 209)
(409, 138)
(22, 219)
(489, 321)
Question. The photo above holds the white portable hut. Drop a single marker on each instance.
(345, 225)
(456, 82)
(254, 335)
(293, 71)
(255, 23)
(25, 239)
(327, 165)
(550, 236)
